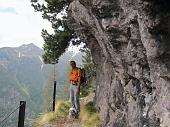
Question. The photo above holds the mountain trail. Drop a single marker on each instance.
(66, 122)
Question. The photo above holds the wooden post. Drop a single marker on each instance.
(54, 93)
(21, 114)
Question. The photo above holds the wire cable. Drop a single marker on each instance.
(7, 116)
(6, 123)
(31, 98)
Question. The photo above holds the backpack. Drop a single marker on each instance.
(83, 76)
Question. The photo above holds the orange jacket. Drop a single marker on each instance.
(75, 75)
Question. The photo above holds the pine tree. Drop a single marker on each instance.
(55, 44)
(90, 69)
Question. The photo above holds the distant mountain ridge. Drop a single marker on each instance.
(22, 75)
(30, 51)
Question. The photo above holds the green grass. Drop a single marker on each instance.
(61, 111)
(89, 116)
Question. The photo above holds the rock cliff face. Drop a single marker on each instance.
(130, 44)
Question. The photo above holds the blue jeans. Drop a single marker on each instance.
(74, 97)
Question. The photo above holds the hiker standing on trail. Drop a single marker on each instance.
(75, 75)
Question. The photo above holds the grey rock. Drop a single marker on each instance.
(129, 41)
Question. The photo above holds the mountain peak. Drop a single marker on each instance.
(28, 45)
(30, 50)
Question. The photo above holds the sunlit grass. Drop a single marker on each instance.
(61, 111)
(89, 116)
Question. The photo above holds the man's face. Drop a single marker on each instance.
(72, 65)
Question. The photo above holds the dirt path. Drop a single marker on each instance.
(73, 125)
(65, 123)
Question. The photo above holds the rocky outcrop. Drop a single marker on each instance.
(130, 42)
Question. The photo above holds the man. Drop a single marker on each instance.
(75, 86)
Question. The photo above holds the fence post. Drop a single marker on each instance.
(21, 114)
(54, 93)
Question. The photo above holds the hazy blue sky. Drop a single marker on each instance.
(19, 24)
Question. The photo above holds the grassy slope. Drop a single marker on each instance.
(89, 117)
